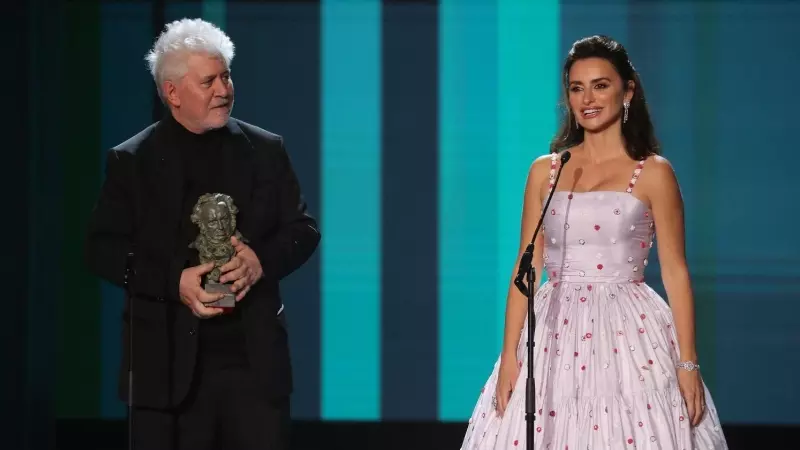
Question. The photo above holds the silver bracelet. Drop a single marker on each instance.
(688, 365)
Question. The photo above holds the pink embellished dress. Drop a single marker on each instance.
(606, 348)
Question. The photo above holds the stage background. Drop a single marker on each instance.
(412, 125)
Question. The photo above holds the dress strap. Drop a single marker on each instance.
(635, 177)
(553, 164)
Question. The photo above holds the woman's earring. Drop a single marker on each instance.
(625, 117)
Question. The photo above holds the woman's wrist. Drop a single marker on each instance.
(508, 354)
(688, 354)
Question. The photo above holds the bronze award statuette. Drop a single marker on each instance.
(215, 216)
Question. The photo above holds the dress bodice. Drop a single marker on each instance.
(597, 236)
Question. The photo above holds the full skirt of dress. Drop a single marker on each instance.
(605, 377)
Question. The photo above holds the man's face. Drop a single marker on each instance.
(202, 100)
(215, 222)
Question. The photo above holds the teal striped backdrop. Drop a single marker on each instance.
(351, 194)
(412, 125)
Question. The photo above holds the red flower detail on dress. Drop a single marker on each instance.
(597, 227)
(641, 330)
(650, 361)
(641, 424)
(588, 335)
(599, 267)
(583, 367)
(583, 299)
(647, 214)
(566, 321)
(545, 349)
(576, 354)
(596, 427)
(630, 440)
(643, 244)
(538, 429)
(616, 351)
(520, 363)
(680, 418)
(569, 196)
(553, 414)
(649, 407)
(643, 316)
(589, 287)
(516, 442)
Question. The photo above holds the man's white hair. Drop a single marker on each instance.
(167, 58)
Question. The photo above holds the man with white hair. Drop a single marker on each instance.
(201, 379)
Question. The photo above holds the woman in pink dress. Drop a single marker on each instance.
(615, 367)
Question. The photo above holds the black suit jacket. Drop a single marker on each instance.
(139, 212)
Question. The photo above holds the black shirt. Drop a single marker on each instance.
(221, 338)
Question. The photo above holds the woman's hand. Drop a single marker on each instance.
(691, 386)
(506, 379)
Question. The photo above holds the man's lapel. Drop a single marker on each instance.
(236, 172)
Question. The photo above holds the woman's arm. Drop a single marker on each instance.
(666, 203)
(667, 206)
(516, 303)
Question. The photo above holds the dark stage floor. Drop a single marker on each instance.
(97, 435)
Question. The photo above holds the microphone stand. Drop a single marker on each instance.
(526, 270)
(129, 290)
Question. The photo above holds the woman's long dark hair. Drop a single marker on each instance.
(640, 139)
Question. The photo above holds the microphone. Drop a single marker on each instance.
(526, 269)
(527, 257)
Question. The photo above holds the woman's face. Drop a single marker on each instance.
(596, 93)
